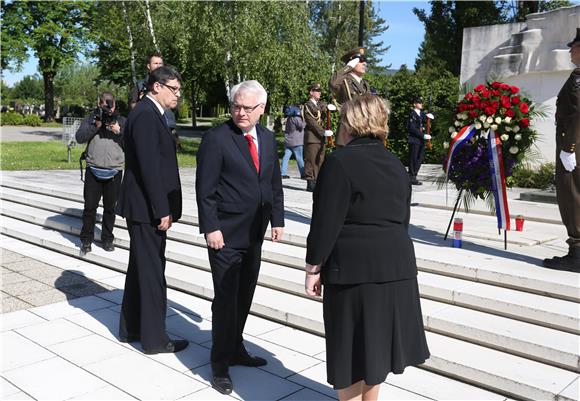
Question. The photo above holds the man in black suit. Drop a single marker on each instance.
(417, 137)
(150, 200)
(239, 191)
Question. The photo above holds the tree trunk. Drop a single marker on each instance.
(131, 47)
(193, 104)
(150, 25)
(48, 78)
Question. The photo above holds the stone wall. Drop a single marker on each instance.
(531, 55)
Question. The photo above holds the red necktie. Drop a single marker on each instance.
(253, 151)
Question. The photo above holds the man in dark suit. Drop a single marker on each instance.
(150, 200)
(417, 137)
(239, 191)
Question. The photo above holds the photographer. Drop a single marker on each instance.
(103, 133)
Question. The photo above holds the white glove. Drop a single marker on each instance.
(352, 63)
(568, 160)
(430, 116)
(328, 133)
(427, 137)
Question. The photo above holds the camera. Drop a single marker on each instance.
(104, 113)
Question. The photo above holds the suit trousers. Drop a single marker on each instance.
(93, 190)
(568, 195)
(416, 155)
(235, 274)
(313, 158)
(145, 296)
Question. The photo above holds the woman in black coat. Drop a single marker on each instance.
(359, 247)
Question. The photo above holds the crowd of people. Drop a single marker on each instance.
(358, 247)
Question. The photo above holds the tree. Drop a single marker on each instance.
(29, 89)
(55, 31)
(441, 47)
(519, 9)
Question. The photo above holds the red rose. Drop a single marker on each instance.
(496, 92)
(514, 89)
(524, 122)
(495, 105)
(479, 88)
(476, 99)
(510, 113)
(485, 93)
(473, 114)
(490, 111)
(496, 85)
(515, 100)
(468, 96)
(462, 107)
(504, 87)
(505, 102)
(524, 108)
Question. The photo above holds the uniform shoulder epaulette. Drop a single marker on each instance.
(576, 81)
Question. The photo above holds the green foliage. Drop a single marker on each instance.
(32, 120)
(12, 118)
(527, 177)
(29, 89)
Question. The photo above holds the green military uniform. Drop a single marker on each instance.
(314, 140)
(343, 85)
(568, 182)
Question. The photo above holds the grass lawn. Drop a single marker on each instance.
(53, 155)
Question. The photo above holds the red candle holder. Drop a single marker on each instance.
(519, 222)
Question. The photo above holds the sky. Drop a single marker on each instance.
(404, 35)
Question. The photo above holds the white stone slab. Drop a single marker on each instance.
(144, 378)
(53, 332)
(90, 349)
(314, 378)
(106, 393)
(20, 396)
(71, 307)
(270, 387)
(18, 351)
(18, 319)
(104, 322)
(54, 379)
(7, 389)
(208, 394)
(305, 343)
(571, 392)
(388, 392)
(190, 327)
(307, 395)
(190, 358)
(256, 326)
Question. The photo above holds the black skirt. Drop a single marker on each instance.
(372, 329)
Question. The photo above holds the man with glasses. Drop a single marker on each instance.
(314, 136)
(150, 201)
(567, 159)
(348, 82)
(239, 191)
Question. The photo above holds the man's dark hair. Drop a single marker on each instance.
(103, 97)
(162, 75)
(154, 54)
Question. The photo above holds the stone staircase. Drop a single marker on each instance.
(495, 320)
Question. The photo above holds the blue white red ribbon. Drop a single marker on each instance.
(498, 181)
(462, 136)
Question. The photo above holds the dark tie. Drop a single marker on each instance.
(166, 120)
(253, 151)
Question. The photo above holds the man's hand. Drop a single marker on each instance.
(98, 123)
(426, 137)
(568, 160)
(352, 63)
(328, 133)
(312, 282)
(215, 239)
(114, 128)
(277, 233)
(165, 223)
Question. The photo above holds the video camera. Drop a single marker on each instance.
(105, 114)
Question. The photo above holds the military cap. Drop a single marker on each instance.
(417, 100)
(354, 53)
(576, 39)
(315, 87)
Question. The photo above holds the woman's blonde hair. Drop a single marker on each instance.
(366, 115)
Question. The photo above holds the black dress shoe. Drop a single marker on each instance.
(85, 248)
(108, 246)
(129, 339)
(310, 185)
(171, 347)
(416, 182)
(285, 176)
(245, 359)
(223, 384)
(565, 263)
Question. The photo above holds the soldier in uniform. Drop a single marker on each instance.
(314, 135)
(417, 136)
(348, 83)
(567, 172)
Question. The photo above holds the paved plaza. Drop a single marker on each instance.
(499, 325)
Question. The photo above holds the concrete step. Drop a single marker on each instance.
(553, 346)
(415, 383)
(471, 263)
(484, 367)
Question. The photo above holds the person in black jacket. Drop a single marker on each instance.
(360, 248)
(417, 137)
(150, 201)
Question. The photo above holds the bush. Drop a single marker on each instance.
(32, 120)
(220, 120)
(12, 118)
(527, 177)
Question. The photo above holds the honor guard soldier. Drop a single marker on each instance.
(416, 126)
(314, 135)
(348, 83)
(567, 171)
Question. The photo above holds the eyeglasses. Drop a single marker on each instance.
(248, 109)
(316, 90)
(173, 89)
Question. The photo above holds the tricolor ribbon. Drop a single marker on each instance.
(498, 181)
(462, 136)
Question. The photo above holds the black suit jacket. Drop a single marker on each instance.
(151, 186)
(416, 127)
(231, 195)
(360, 216)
